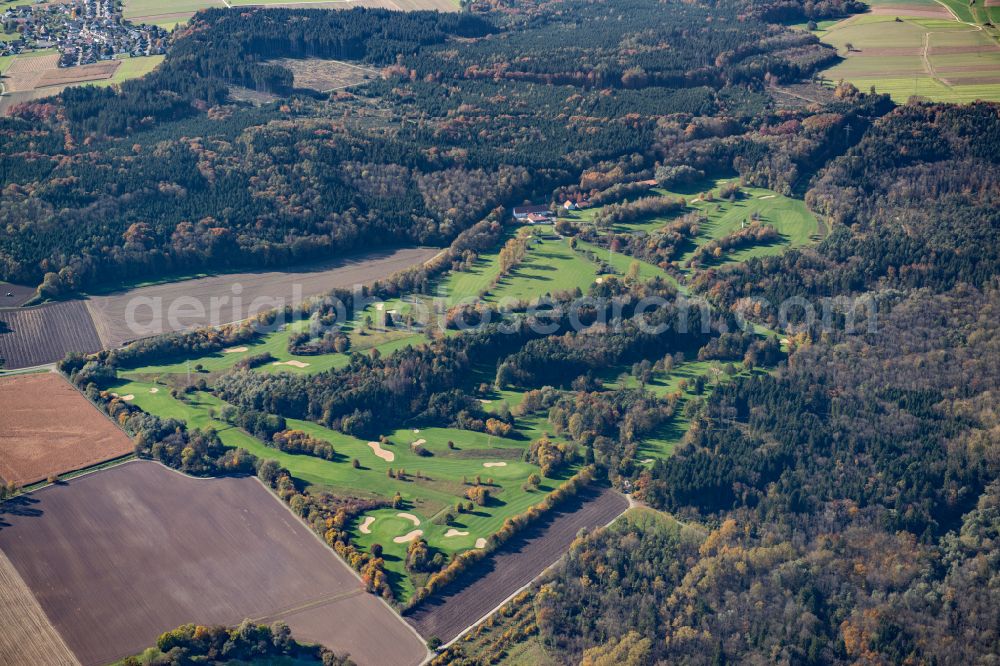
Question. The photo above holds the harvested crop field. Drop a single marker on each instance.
(27, 637)
(910, 10)
(257, 292)
(43, 334)
(173, 549)
(66, 75)
(486, 585)
(24, 72)
(926, 52)
(49, 428)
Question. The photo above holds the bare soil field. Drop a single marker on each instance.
(24, 73)
(49, 428)
(325, 75)
(67, 75)
(912, 11)
(257, 291)
(19, 295)
(117, 557)
(43, 334)
(27, 637)
(518, 562)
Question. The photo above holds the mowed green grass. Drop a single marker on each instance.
(890, 55)
(622, 263)
(276, 343)
(133, 68)
(551, 266)
(439, 488)
(790, 217)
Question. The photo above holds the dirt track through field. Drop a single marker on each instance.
(117, 557)
(49, 428)
(518, 562)
(257, 292)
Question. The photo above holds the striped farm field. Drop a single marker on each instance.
(43, 334)
(937, 51)
(124, 554)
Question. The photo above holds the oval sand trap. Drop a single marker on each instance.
(128, 397)
(419, 442)
(154, 390)
(495, 464)
(366, 527)
(408, 537)
(480, 542)
(294, 364)
(387, 456)
(410, 517)
(452, 532)
(235, 350)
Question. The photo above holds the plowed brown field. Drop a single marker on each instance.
(47, 428)
(43, 334)
(27, 637)
(119, 556)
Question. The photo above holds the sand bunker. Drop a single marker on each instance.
(416, 431)
(130, 396)
(235, 350)
(410, 517)
(294, 364)
(366, 527)
(495, 464)
(408, 537)
(646, 461)
(387, 456)
(419, 442)
(480, 542)
(484, 401)
(768, 196)
(452, 532)
(154, 390)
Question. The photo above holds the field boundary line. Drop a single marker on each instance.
(529, 583)
(16, 583)
(310, 604)
(430, 655)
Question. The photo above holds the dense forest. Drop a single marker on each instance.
(842, 509)
(170, 174)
